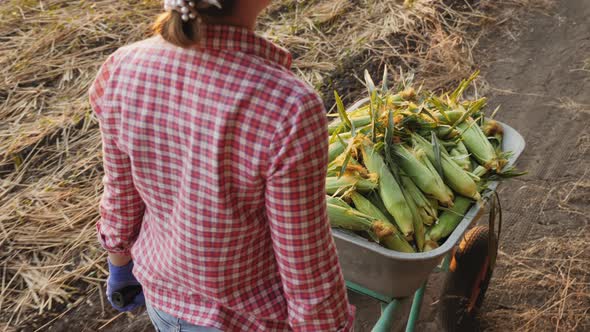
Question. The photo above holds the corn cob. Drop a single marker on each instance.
(336, 201)
(348, 218)
(426, 211)
(455, 176)
(394, 241)
(477, 143)
(358, 122)
(450, 117)
(432, 169)
(480, 171)
(396, 100)
(460, 156)
(365, 206)
(389, 190)
(445, 131)
(426, 218)
(351, 219)
(419, 232)
(335, 149)
(346, 135)
(335, 184)
(415, 166)
(375, 199)
(433, 203)
(449, 219)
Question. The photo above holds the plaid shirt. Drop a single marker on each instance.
(214, 182)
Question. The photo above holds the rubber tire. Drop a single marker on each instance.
(465, 271)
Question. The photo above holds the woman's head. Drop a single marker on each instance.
(186, 31)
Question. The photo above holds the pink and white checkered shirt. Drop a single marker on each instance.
(215, 163)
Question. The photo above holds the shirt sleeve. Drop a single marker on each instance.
(296, 209)
(121, 207)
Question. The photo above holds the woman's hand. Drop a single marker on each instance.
(121, 276)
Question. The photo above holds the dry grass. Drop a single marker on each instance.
(50, 153)
(544, 287)
(335, 40)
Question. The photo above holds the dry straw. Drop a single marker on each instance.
(50, 153)
(545, 287)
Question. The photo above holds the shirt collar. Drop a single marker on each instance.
(240, 39)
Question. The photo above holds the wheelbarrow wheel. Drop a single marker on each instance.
(467, 282)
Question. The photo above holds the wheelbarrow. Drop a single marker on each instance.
(391, 277)
(468, 254)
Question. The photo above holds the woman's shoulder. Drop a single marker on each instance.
(290, 86)
(291, 92)
(155, 42)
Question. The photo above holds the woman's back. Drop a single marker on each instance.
(214, 162)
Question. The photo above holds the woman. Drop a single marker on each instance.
(215, 157)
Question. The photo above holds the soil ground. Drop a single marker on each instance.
(540, 75)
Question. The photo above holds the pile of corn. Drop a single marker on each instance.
(407, 165)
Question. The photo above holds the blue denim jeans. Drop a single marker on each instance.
(164, 322)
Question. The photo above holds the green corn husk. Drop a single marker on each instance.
(419, 231)
(389, 190)
(359, 112)
(449, 117)
(477, 143)
(338, 184)
(455, 176)
(348, 218)
(449, 219)
(434, 204)
(351, 219)
(375, 199)
(346, 135)
(448, 145)
(336, 201)
(480, 171)
(396, 99)
(426, 218)
(460, 147)
(432, 169)
(335, 149)
(426, 210)
(446, 132)
(363, 204)
(394, 241)
(460, 156)
(414, 165)
(359, 121)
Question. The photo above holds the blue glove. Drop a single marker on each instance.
(120, 277)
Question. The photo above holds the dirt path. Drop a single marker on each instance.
(540, 75)
(542, 81)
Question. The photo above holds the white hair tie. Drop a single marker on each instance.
(188, 9)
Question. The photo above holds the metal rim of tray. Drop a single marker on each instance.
(516, 144)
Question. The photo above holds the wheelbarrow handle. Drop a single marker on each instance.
(125, 295)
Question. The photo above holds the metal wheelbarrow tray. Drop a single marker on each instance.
(396, 274)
